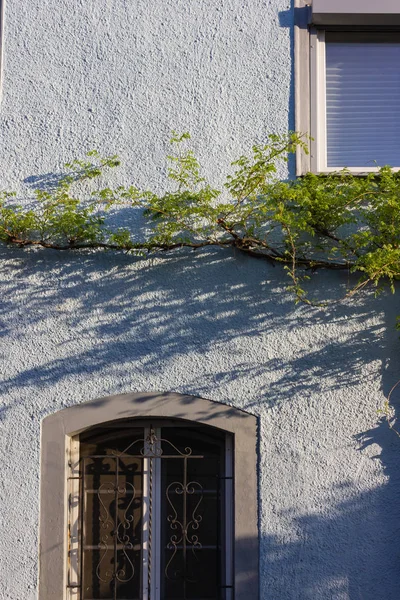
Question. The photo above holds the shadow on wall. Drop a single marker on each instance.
(349, 552)
(118, 311)
(348, 549)
(48, 182)
(109, 312)
(157, 399)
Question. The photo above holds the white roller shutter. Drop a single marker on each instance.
(363, 104)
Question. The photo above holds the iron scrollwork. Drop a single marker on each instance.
(185, 536)
(116, 504)
(120, 538)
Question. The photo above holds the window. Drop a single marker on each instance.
(150, 512)
(349, 100)
(149, 497)
(356, 107)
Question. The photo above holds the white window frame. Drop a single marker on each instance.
(318, 102)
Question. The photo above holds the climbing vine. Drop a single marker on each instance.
(338, 221)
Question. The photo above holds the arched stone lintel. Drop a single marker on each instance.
(57, 430)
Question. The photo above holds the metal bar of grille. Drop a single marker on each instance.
(149, 557)
(115, 536)
(109, 473)
(141, 456)
(82, 523)
(219, 566)
(184, 526)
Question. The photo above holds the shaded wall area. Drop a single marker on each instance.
(78, 327)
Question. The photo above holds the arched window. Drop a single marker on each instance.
(160, 494)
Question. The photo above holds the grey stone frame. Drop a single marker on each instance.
(58, 428)
(302, 12)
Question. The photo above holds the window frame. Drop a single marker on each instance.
(60, 428)
(310, 71)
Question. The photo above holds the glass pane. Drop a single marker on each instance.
(192, 517)
(190, 501)
(112, 499)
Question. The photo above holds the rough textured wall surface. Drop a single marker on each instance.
(75, 328)
(119, 75)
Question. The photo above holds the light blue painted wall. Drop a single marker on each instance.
(119, 75)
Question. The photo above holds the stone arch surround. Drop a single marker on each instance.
(57, 430)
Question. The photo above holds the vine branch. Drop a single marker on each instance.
(337, 222)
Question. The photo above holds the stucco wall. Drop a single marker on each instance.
(119, 75)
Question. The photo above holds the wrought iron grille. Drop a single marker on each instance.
(148, 518)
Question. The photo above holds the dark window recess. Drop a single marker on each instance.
(152, 514)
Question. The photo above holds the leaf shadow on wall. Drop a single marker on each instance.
(222, 326)
(86, 314)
